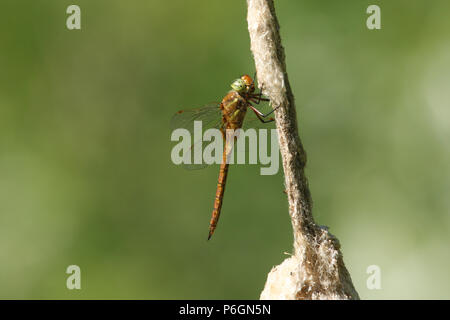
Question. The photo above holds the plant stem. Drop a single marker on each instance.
(316, 269)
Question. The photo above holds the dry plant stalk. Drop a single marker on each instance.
(316, 269)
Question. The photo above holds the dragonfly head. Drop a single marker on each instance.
(239, 85)
(244, 84)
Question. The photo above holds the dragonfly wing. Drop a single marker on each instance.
(209, 116)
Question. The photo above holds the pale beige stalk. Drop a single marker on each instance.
(316, 269)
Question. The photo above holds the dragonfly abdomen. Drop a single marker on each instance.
(223, 173)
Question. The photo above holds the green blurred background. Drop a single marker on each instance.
(85, 170)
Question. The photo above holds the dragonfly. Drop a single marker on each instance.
(230, 113)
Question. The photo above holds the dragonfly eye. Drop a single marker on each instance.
(239, 85)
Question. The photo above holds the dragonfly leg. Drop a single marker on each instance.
(257, 98)
(261, 116)
(260, 98)
(257, 112)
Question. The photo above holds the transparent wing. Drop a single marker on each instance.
(210, 115)
(197, 121)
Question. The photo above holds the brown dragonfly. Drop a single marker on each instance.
(228, 114)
